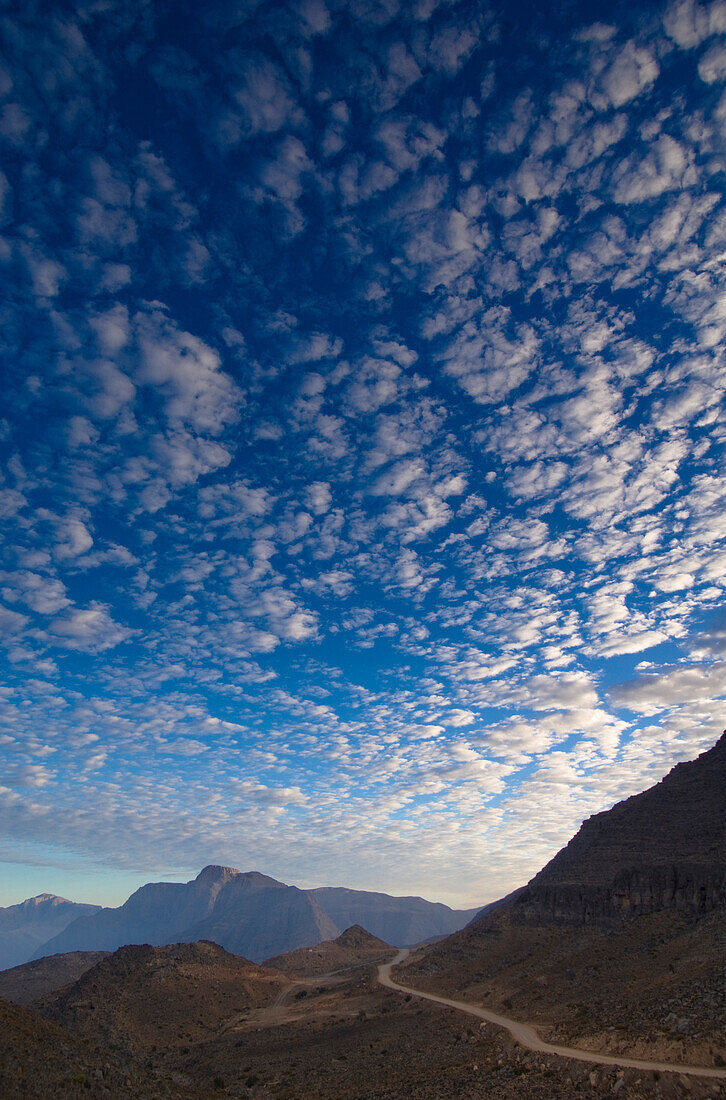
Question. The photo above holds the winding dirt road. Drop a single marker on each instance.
(527, 1037)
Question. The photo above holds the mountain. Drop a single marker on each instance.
(619, 942)
(399, 921)
(149, 998)
(354, 947)
(26, 983)
(252, 915)
(662, 849)
(25, 926)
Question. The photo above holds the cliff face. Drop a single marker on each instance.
(662, 849)
(695, 888)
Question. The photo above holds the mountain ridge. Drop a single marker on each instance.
(619, 942)
(30, 923)
(660, 849)
(352, 948)
(251, 914)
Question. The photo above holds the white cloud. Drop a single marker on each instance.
(689, 23)
(91, 630)
(633, 69)
(265, 97)
(665, 167)
(653, 692)
(712, 66)
(188, 373)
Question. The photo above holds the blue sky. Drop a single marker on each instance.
(363, 511)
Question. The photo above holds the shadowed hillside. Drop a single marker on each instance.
(40, 1059)
(354, 947)
(159, 997)
(26, 983)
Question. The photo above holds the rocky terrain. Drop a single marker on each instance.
(594, 952)
(24, 927)
(619, 943)
(26, 983)
(349, 1039)
(253, 915)
(42, 1060)
(332, 1038)
(354, 947)
(159, 998)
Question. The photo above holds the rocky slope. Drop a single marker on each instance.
(24, 927)
(344, 1038)
(252, 915)
(148, 998)
(40, 1060)
(354, 947)
(26, 983)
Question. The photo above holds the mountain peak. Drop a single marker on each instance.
(357, 936)
(214, 872)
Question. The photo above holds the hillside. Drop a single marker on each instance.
(150, 998)
(354, 947)
(42, 1059)
(619, 942)
(252, 915)
(26, 983)
(24, 927)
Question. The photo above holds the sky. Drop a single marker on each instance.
(362, 437)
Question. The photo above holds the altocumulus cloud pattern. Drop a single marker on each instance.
(363, 509)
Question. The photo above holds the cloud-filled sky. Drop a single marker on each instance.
(362, 495)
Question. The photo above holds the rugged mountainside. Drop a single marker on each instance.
(619, 942)
(26, 983)
(40, 1059)
(662, 849)
(160, 997)
(252, 915)
(25, 926)
(354, 947)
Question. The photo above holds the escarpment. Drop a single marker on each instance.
(662, 849)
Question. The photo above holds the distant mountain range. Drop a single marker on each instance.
(24, 927)
(247, 913)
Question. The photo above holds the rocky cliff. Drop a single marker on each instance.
(662, 849)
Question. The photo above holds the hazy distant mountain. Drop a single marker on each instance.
(622, 931)
(252, 915)
(23, 927)
(399, 921)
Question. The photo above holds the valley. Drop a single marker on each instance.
(605, 975)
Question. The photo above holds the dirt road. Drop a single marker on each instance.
(527, 1037)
